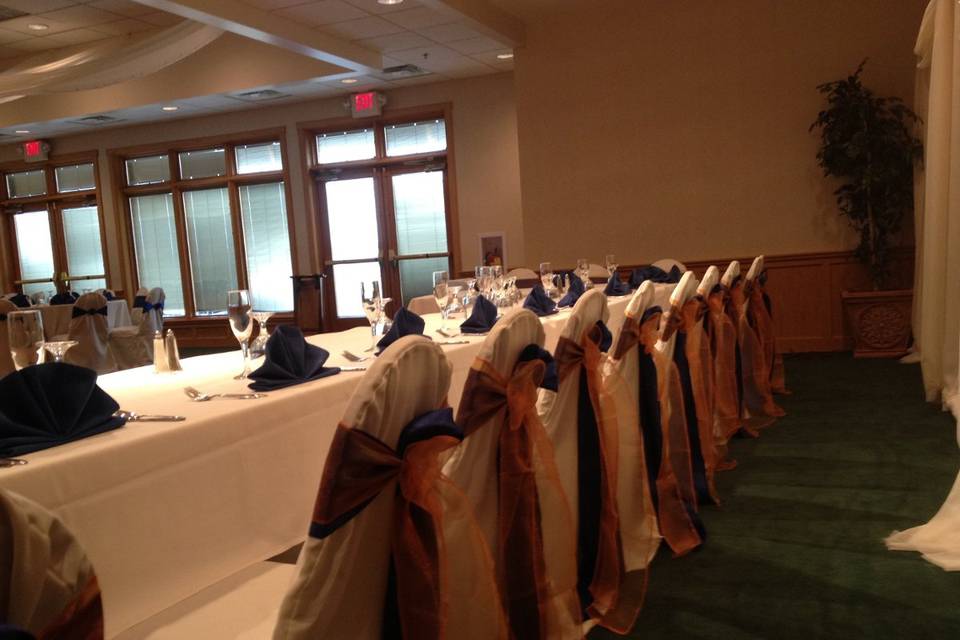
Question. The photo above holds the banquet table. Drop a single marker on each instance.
(56, 317)
(167, 509)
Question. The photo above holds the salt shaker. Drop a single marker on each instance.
(160, 362)
(172, 352)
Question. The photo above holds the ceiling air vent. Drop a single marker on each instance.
(93, 121)
(404, 71)
(6, 13)
(260, 95)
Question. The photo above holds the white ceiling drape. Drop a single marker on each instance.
(104, 63)
(937, 288)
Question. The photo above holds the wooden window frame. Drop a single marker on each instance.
(54, 203)
(177, 186)
(316, 219)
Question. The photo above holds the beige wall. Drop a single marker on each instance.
(679, 128)
(486, 158)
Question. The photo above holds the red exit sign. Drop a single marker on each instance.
(35, 150)
(368, 103)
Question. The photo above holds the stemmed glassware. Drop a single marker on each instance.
(59, 348)
(25, 333)
(611, 262)
(259, 345)
(441, 293)
(241, 323)
(373, 306)
(583, 271)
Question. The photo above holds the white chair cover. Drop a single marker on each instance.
(597, 271)
(340, 588)
(711, 278)
(667, 264)
(47, 584)
(732, 273)
(6, 360)
(423, 304)
(133, 346)
(522, 273)
(90, 331)
(474, 468)
(136, 313)
(756, 268)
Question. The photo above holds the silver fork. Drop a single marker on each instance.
(130, 416)
(11, 462)
(198, 396)
(352, 357)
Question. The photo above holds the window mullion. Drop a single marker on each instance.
(186, 274)
(239, 244)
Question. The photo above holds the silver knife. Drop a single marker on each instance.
(130, 416)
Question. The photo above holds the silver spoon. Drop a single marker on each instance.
(130, 416)
(12, 462)
(198, 396)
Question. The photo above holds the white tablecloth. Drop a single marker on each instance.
(56, 317)
(166, 509)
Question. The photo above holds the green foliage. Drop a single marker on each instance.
(868, 142)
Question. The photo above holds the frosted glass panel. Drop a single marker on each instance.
(420, 213)
(26, 183)
(213, 262)
(150, 170)
(157, 251)
(256, 158)
(352, 216)
(81, 230)
(344, 146)
(35, 249)
(267, 242)
(415, 137)
(205, 163)
(346, 286)
(75, 177)
(416, 276)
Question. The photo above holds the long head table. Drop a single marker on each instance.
(166, 509)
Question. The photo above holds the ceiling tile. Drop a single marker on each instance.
(78, 36)
(123, 27)
(372, 6)
(421, 18)
(270, 5)
(490, 57)
(11, 36)
(31, 45)
(323, 12)
(20, 25)
(396, 42)
(38, 6)
(473, 46)
(424, 56)
(161, 18)
(368, 27)
(78, 16)
(449, 32)
(126, 8)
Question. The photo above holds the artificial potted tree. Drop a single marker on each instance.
(868, 144)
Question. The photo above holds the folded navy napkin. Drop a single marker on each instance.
(616, 287)
(482, 318)
(539, 302)
(654, 274)
(63, 298)
(290, 360)
(51, 404)
(20, 300)
(573, 293)
(405, 323)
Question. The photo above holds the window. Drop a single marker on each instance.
(54, 217)
(383, 193)
(207, 220)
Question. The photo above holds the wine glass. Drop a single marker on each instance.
(259, 345)
(456, 295)
(372, 308)
(241, 323)
(583, 271)
(441, 293)
(59, 348)
(611, 262)
(25, 333)
(546, 276)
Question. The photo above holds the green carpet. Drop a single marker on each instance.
(796, 549)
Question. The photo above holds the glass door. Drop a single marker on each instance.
(353, 233)
(35, 256)
(418, 199)
(83, 248)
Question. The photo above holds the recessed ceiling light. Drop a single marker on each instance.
(349, 81)
(37, 26)
(504, 56)
(170, 108)
(388, 2)
(22, 131)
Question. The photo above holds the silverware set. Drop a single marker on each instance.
(198, 396)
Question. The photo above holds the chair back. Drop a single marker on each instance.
(732, 273)
(423, 304)
(152, 319)
(669, 263)
(47, 585)
(343, 587)
(711, 278)
(595, 271)
(6, 360)
(522, 273)
(88, 327)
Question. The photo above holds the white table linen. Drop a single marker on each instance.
(166, 509)
(56, 317)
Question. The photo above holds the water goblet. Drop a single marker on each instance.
(259, 345)
(611, 262)
(441, 293)
(59, 348)
(241, 323)
(25, 334)
(372, 308)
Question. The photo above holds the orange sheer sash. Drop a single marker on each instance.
(539, 598)
(81, 619)
(674, 521)
(757, 398)
(613, 610)
(358, 468)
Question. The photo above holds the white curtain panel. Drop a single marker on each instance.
(937, 305)
(104, 63)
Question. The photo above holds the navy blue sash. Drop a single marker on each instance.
(693, 431)
(79, 313)
(139, 301)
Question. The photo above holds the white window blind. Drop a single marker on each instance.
(75, 177)
(81, 230)
(344, 146)
(415, 137)
(205, 163)
(257, 158)
(35, 249)
(420, 213)
(24, 184)
(213, 262)
(149, 170)
(267, 242)
(156, 247)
